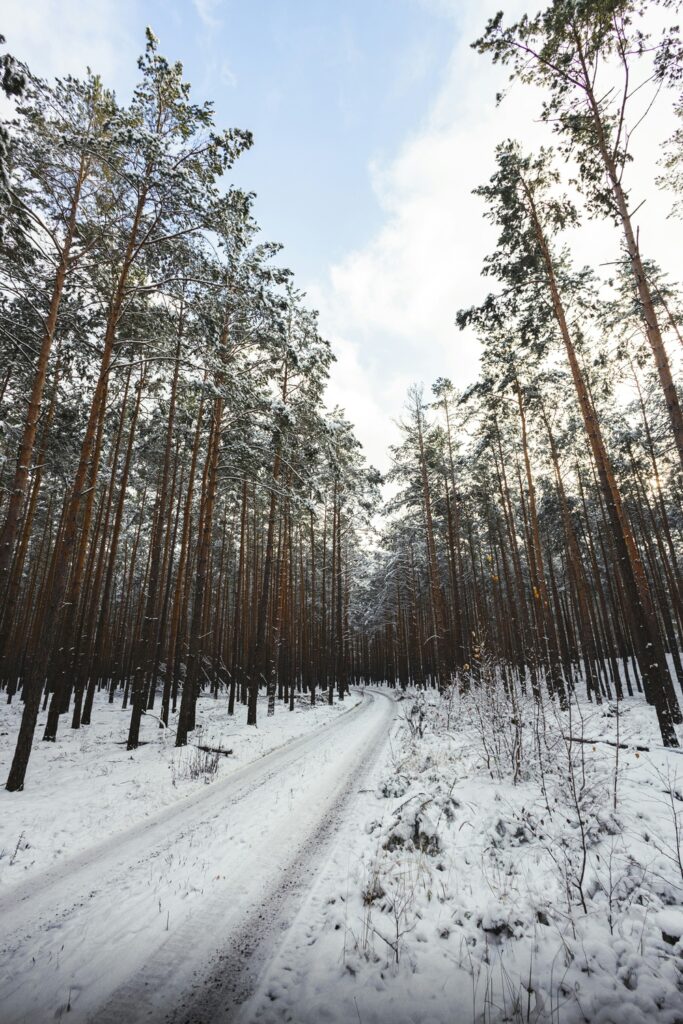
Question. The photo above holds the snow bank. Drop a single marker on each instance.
(467, 896)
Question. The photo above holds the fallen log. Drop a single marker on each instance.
(610, 743)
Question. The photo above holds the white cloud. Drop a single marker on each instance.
(228, 76)
(389, 305)
(58, 37)
(364, 401)
(207, 11)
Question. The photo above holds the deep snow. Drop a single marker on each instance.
(457, 896)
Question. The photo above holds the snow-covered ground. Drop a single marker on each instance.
(138, 924)
(86, 786)
(460, 895)
(399, 858)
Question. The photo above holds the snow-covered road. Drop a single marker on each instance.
(175, 918)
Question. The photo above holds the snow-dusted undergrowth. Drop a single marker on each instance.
(521, 873)
(490, 875)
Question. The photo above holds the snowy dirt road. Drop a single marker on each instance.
(175, 919)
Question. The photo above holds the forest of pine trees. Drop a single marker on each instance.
(180, 513)
(179, 510)
(537, 528)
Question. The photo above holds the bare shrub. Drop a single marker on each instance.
(193, 763)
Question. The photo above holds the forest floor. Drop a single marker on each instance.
(492, 876)
(86, 786)
(397, 858)
(125, 886)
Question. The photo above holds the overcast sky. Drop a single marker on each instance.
(373, 120)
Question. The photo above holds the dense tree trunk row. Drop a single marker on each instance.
(180, 515)
(177, 506)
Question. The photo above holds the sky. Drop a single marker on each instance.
(373, 120)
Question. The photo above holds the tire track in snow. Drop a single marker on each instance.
(47, 880)
(234, 973)
(90, 927)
